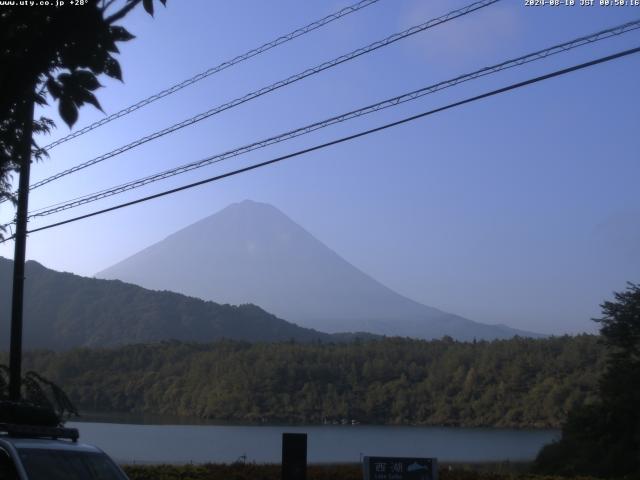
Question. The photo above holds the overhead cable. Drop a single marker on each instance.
(391, 102)
(218, 68)
(274, 86)
(513, 86)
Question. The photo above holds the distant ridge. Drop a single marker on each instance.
(252, 252)
(64, 311)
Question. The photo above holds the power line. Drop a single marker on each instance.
(274, 86)
(513, 86)
(218, 68)
(391, 102)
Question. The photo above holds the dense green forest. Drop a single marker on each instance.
(503, 383)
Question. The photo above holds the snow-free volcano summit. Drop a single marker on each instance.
(251, 252)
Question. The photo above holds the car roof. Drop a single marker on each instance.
(49, 444)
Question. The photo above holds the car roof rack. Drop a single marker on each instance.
(37, 431)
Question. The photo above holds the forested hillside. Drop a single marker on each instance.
(504, 383)
(64, 311)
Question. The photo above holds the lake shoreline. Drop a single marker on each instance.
(139, 418)
(327, 444)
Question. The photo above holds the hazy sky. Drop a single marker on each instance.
(522, 209)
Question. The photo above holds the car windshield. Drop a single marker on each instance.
(41, 464)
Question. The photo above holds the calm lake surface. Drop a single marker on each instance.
(135, 443)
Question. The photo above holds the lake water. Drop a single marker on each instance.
(132, 443)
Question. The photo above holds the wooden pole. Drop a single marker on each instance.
(17, 299)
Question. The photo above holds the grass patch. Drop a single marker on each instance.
(252, 471)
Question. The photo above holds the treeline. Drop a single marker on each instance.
(506, 383)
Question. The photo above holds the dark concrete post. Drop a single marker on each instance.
(294, 456)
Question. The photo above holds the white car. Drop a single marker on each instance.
(52, 453)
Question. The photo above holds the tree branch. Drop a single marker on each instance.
(105, 6)
(122, 12)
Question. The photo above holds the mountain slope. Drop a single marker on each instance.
(63, 310)
(252, 252)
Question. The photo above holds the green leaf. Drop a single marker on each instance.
(98, 60)
(112, 68)
(148, 6)
(86, 79)
(54, 88)
(110, 46)
(64, 79)
(68, 111)
(120, 34)
(85, 96)
(40, 99)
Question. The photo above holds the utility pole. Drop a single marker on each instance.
(15, 355)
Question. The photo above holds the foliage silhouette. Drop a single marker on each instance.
(42, 402)
(59, 52)
(603, 439)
